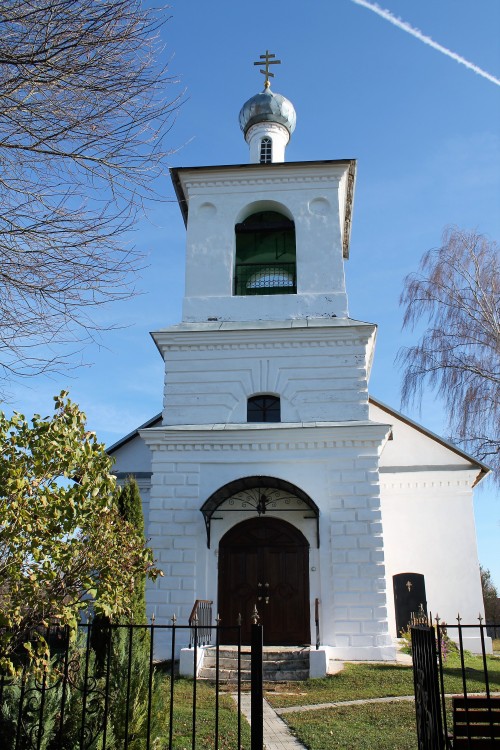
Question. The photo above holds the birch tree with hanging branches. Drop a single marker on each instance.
(456, 295)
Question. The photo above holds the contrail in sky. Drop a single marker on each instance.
(425, 39)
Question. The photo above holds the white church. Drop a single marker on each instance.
(273, 478)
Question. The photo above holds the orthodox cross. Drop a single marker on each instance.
(409, 585)
(267, 61)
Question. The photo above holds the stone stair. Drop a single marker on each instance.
(279, 664)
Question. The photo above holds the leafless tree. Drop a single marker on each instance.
(456, 292)
(84, 113)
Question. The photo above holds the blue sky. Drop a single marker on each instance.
(423, 127)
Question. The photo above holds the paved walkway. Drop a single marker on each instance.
(339, 704)
(277, 735)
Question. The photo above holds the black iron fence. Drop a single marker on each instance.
(426, 685)
(468, 715)
(104, 690)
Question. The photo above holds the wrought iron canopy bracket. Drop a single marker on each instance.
(260, 494)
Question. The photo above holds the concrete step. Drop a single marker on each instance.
(268, 653)
(277, 665)
(231, 675)
(267, 665)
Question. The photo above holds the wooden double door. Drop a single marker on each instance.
(264, 562)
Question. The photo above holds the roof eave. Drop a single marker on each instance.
(175, 173)
(131, 435)
(484, 469)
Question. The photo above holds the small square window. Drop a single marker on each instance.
(263, 409)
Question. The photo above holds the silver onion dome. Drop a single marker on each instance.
(268, 107)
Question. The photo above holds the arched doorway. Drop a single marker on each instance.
(264, 561)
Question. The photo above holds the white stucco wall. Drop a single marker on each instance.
(425, 510)
(278, 134)
(132, 457)
(312, 195)
(319, 370)
(334, 464)
(428, 519)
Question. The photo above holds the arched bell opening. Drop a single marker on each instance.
(265, 255)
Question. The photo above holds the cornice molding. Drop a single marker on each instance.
(415, 485)
(296, 337)
(262, 345)
(259, 447)
(295, 178)
(283, 437)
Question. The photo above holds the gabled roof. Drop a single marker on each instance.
(483, 468)
(153, 422)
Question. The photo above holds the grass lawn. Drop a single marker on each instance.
(380, 681)
(205, 718)
(354, 682)
(387, 726)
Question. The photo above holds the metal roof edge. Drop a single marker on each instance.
(175, 173)
(484, 469)
(131, 435)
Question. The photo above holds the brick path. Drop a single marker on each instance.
(277, 735)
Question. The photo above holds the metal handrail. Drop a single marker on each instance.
(200, 622)
(316, 620)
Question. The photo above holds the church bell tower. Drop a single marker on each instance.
(265, 487)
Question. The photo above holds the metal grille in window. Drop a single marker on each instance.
(270, 277)
(265, 278)
(266, 146)
(263, 409)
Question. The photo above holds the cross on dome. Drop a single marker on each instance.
(266, 60)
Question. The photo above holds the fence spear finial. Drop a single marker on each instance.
(255, 615)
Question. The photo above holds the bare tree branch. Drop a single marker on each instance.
(84, 115)
(456, 292)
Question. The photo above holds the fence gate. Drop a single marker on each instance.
(427, 698)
